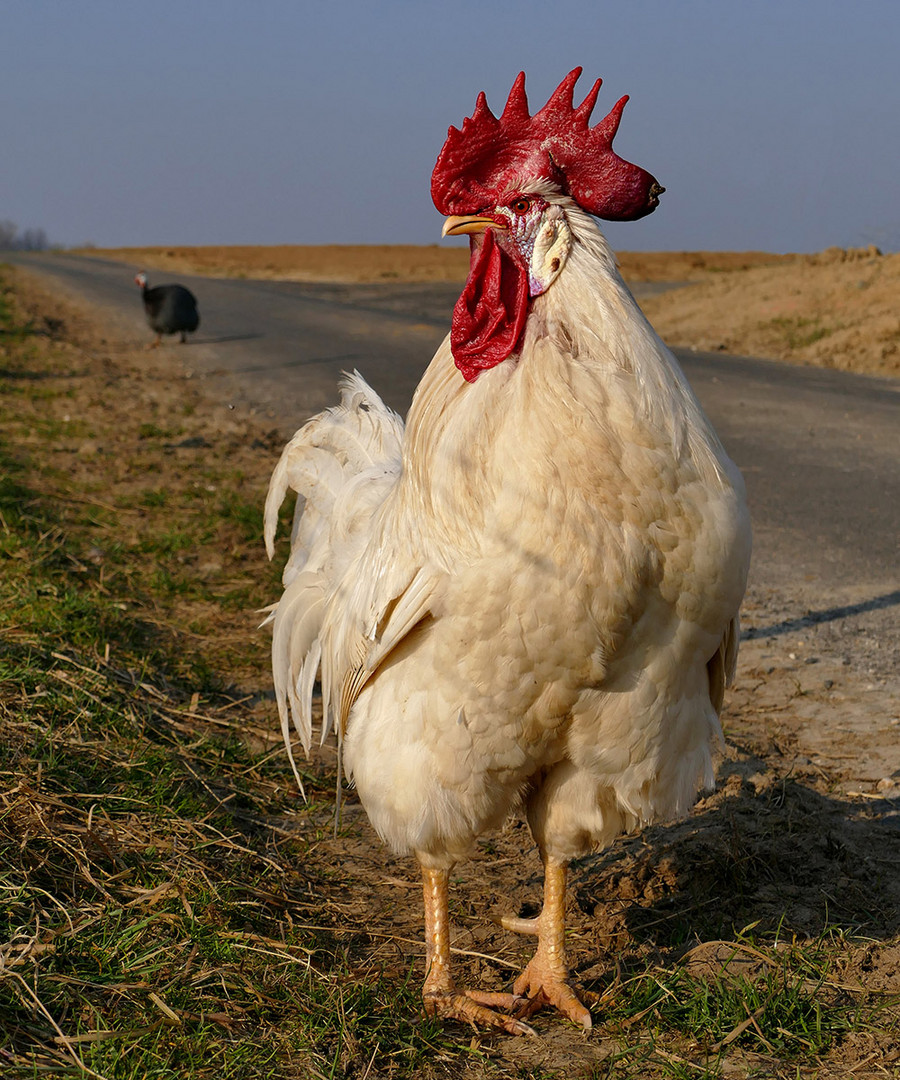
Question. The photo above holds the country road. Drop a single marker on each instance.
(819, 449)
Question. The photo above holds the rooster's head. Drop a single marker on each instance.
(495, 179)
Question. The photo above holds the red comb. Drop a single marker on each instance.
(480, 162)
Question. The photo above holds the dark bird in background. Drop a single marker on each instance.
(170, 309)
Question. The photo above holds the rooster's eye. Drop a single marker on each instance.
(520, 205)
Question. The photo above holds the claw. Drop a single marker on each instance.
(467, 1006)
(540, 990)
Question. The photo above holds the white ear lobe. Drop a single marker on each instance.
(551, 249)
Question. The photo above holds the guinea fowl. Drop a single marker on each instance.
(527, 597)
(170, 309)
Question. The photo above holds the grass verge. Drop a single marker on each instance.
(149, 870)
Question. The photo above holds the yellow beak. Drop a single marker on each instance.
(469, 223)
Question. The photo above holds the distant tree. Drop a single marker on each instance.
(29, 240)
(33, 240)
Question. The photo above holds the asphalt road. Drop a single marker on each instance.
(819, 449)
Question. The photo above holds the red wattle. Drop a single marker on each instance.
(489, 316)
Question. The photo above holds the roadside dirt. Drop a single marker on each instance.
(836, 309)
(800, 839)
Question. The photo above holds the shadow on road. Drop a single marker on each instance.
(226, 338)
(811, 618)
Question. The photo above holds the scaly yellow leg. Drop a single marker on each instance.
(441, 995)
(545, 980)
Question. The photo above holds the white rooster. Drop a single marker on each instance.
(528, 597)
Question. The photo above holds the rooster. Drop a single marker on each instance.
(527, 597)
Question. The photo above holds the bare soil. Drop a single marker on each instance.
(837, 308)
(801, 837)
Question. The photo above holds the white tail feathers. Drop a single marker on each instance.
(341, 465)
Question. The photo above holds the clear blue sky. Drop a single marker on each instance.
(774, 124)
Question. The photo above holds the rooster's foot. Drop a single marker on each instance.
(477, 1008)
(537, 988)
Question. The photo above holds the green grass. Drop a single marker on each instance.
(776, 1011)
(138, 874)
(798, 332)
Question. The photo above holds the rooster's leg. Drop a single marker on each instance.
(545, 980)
(441, 995)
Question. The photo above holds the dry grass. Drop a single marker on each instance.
(404, 262)
(835, 310)
(295, 262)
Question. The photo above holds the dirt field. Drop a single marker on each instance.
(799, 843)
(837, 309)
